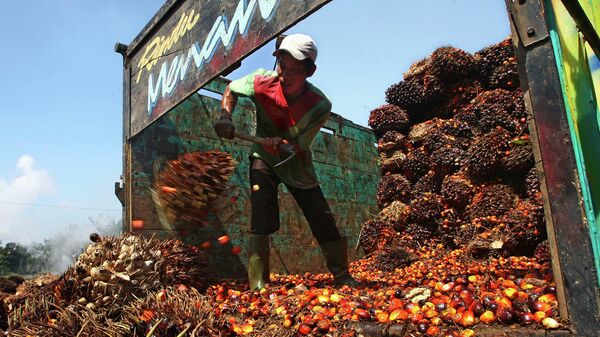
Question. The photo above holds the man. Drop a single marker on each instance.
(289, 110)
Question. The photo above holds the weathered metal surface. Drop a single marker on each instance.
(345, 163)
(191, 42)
(570, 246)
(528, 19)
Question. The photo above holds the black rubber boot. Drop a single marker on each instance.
(258, 261)
(336, 256)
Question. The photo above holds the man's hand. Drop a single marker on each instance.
(224, 127)
(271, 145)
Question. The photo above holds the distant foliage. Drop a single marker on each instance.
(54, 254)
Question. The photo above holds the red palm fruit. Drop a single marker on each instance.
(467, 319)
(362, 313)
(415, 318)
(432, 330)
(511, 293)
(431, 313)
(505, 315)
(448, 315)
(223, 240)
(422, 325)
(382, 316)
(525, 318)
(538, 316)
(236, 250)
(457, 317)
(487, 317)
(399, 314)
(477, 307)
(541, 306)
(304, 329)
(324, 325)
(448, 286)
(457, 302)
(504, 302)
(467, 333)
(467, 296)
(508, 284)
(247, 328)
(548, 298)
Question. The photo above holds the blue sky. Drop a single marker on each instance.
(61, 96)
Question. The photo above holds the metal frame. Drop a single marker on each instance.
(568, 235)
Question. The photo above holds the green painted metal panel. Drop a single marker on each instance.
(579, 71)
(345, 161)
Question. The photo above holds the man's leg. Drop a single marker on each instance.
(264, 221)
(322, 224)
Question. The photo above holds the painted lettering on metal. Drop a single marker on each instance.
(161, 45)
(223, 31)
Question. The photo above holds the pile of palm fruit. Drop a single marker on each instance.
(110, 274)
(456, 159)
(457, 249)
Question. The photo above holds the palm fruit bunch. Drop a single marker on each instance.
(450, 64)
(457, 96)
(486, 152)
(388, 117)
(415, 165)
(392, 187)
(457, 190)
(392, 141)
(464, 155)
(426, 209)
(114, 268)
(430, 182)
(491, 109)
(408, 95)
(519, 159)
(375, 234)
(396, 214)
(505, 75)
(491, 200)
(525, 222)
(491, 58)
(187, 187)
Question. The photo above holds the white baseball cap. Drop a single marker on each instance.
(300, 46)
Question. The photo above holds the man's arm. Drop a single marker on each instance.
(228, 102)
(224, 126)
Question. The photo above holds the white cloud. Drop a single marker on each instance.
(29, 184)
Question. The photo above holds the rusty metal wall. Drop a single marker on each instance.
(346, 163)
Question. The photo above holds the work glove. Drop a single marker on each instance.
(224, 127)
(271, 145)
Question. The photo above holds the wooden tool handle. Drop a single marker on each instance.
(253, 139)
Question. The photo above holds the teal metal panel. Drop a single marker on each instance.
(346, 163)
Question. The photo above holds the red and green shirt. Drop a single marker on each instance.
(298, 123)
